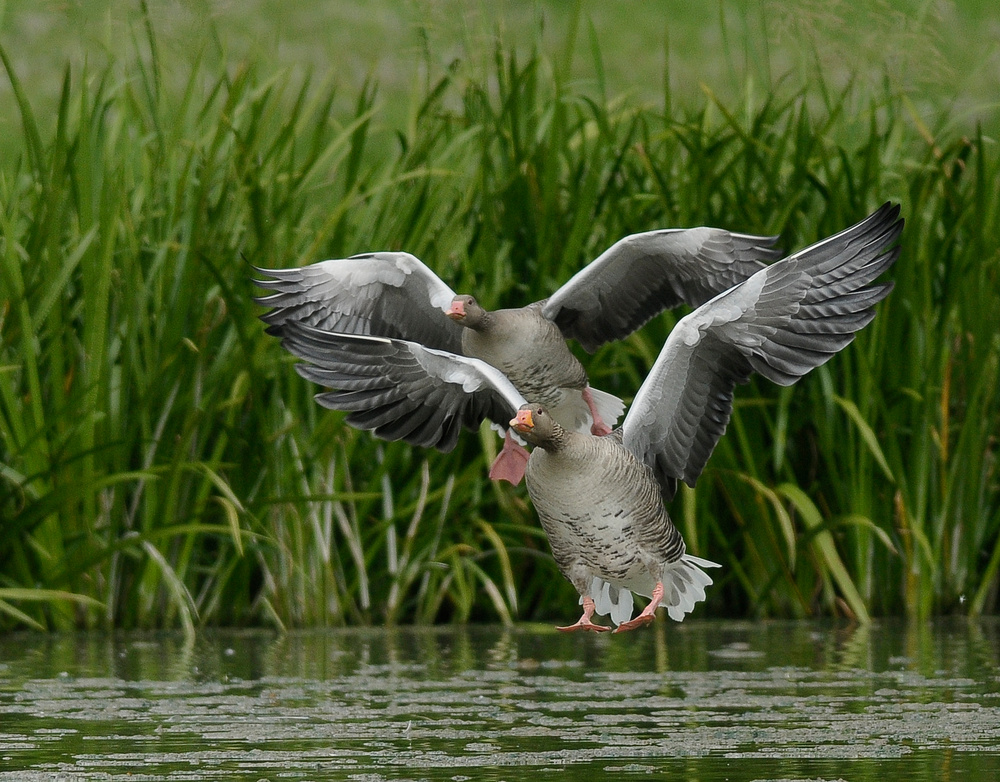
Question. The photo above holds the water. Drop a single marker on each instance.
(701, 701)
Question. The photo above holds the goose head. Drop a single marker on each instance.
(466, 311)
(536, 425)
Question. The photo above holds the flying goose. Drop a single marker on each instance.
(600, 499)
(393, 294)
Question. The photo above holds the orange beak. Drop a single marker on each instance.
(457, 311)
(522, 421)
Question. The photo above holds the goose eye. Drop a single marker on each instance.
(538, 411)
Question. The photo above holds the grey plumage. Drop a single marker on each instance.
(384, 294)
(394, 295)
(604, 518)
(400, 390)
(644, 274)
(531, 351)
(785, 320)
(600, 499)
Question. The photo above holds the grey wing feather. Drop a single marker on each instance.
(782, 322)
(400, 390)
(385, 294)
(643, 274)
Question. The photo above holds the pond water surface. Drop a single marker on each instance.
(702, 701)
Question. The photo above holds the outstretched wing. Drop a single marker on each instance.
(643, 274)
(400, 390)
(783, 321)
(385, 294)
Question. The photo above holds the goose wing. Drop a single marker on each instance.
(386, 294)
(782, 322)
(643, 274)
(401, 390)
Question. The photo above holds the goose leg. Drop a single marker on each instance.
(598, 427)
(510, 462)
(647, 614)
(584, 622)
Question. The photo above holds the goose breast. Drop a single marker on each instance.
(602, 512)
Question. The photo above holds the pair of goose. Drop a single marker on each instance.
(410, 360)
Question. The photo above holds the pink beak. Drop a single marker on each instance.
(522, 421)
(457, 311)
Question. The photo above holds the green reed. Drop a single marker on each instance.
(161, 464)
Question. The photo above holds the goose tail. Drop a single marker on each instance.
(572, 413)
(684, 584)
(611, 600)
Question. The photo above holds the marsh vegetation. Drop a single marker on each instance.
(162, 465)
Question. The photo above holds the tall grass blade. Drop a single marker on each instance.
(823, 543)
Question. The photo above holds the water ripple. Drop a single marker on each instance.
(394, 704)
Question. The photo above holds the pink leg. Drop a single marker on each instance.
(647, 614)
(598, 427)
(584, 622)
(510, 462)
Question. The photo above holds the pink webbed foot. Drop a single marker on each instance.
(510, 462)
(648, 613)
(598, 427)
(581, 625)
(632, 624)
(584, 622)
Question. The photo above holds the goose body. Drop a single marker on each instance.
(529, 349)
(591, 522)
(600, 499)
(610, 534)
(532, 352)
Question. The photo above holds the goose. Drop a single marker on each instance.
(601, 499)
(394, 294)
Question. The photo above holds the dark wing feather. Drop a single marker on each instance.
(782, 322)
(386, 294)
(643, 274)
(400, 390)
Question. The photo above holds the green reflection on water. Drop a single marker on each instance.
(709, 700)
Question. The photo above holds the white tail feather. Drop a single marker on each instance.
(608, 405)
(684, 585)
(622, 610)
(572, 412)
(608, 599)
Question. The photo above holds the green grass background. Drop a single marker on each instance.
(943, 56)
(162, 465)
